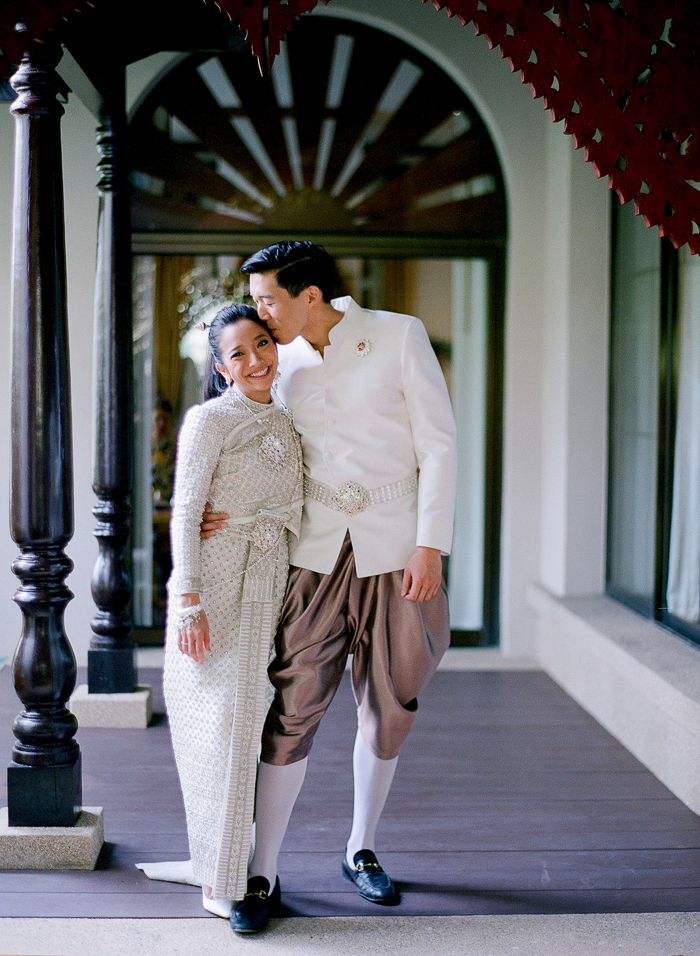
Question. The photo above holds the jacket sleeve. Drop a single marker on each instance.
(198, 448)
(434, 438)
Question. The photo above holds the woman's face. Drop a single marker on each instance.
(249, 358)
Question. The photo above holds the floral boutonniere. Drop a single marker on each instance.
(363, 347)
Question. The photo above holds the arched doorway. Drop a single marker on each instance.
(362, 143)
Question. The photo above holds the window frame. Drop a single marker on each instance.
(667, 372)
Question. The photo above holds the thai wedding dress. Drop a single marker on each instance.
(244, 458)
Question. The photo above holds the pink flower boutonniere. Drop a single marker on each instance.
(363, 347)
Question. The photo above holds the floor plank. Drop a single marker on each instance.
(508, 799)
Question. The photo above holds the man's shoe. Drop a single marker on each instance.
(372, 882)
(253, 912)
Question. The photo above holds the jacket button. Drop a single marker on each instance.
(331, 422)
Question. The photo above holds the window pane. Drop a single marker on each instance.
(683, 593)
(469, 382)
(634, 405)
(144, 273)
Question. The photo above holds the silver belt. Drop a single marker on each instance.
(351, 498)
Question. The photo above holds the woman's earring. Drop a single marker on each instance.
(276, 380)
(223, 373)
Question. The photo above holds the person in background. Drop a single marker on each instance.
(163, 444)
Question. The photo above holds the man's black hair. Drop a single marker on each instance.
(297, 265)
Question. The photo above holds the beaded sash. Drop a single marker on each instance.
(351, 498)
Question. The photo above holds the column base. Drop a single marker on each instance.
(44, 796)
(112, 710)
(111, 670)
(53, 848)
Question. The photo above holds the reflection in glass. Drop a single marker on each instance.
(683, 592)
(634, 406)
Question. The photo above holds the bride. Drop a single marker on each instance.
(239, 452)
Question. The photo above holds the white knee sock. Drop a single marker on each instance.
(372, 779)
(276, 792)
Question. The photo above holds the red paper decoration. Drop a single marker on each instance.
(22, 21)
(624, 75)
(625, 78)
(281, 15)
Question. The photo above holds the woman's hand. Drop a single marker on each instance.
(211, 522)
(193, 628)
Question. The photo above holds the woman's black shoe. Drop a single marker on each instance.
(372, 882)
(253, 912)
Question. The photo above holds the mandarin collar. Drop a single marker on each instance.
(235, 394)
(351, 313)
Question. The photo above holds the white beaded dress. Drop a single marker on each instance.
(245, 459)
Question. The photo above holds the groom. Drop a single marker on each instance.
(378, 436)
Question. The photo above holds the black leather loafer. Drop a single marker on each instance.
(372, 882)
(253, 912)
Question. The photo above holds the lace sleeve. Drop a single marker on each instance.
(198, 448)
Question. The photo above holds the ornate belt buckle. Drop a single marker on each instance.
(350, 498)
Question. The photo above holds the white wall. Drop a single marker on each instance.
(574, 375)
(79, 159)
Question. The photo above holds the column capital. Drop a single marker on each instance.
(36, 81)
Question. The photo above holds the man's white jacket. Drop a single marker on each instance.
(373, 410)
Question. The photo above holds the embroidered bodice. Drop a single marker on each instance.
(243, 458)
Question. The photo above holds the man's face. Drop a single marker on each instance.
(285, 316)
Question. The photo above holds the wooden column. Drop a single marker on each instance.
(44, 780)
(111, 655)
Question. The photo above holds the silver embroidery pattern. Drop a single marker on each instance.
(276, 452)
(216, 708)
(267, 531)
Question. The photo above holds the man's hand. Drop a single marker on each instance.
(422, 575)
(211, 522)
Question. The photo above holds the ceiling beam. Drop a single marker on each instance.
(207, 242)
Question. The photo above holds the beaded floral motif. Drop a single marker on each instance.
(363, 347)
(276, 452)
(267, 531)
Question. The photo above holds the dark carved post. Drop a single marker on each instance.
(111, 654)
(44, 782)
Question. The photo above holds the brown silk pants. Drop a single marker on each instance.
(396, 646)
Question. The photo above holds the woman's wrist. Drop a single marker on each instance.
(191, 615)
(189, 600)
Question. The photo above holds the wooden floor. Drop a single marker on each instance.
(508, 799)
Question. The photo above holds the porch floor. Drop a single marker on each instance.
(509, 799)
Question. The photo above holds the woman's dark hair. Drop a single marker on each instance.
(297, 265)
(214, 382)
